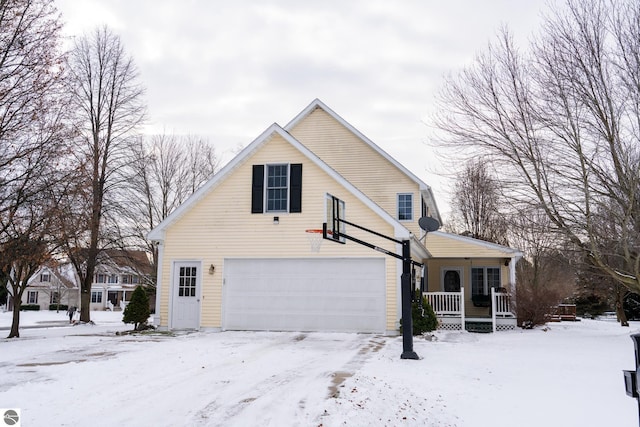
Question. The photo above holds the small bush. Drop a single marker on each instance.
(61, 307)
(423, 318)
(29, 307)
(137, 311)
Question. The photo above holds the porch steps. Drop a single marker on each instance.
(480, 327)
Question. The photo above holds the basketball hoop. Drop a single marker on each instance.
(315, 238)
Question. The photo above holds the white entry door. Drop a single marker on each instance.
(185, 310)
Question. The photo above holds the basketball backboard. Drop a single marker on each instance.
(334, 217)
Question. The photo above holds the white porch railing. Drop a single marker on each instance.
(123, 304)
(110, 305)
(501, 309)
(448, 307)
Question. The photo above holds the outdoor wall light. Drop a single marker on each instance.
(276, 220)
(212, 268)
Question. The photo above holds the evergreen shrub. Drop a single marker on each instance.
(424, 318)
(137, 311)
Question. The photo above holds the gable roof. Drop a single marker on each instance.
(63, 272)
(126, 260)
(316, 103)
(158, 232)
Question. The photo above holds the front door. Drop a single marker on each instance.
(451, 281)
(185, 310)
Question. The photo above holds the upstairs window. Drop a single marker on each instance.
(45, 277)
(276, 188)
(129, 279)
(405, 207)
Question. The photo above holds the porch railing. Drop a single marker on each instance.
(448, 307)
(445, 303)
(501, 307)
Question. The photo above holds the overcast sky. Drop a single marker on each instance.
(226, 70)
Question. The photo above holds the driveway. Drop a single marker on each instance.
(197, 379)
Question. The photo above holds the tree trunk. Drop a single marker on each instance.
(85, 304)
(620, 314)
(15, 324)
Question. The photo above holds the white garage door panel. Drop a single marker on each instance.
(302, 294)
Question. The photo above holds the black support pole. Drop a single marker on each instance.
(407, 320)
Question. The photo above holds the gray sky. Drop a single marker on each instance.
(226, 70)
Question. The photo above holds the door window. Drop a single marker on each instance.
(187, 282)
(452, 281)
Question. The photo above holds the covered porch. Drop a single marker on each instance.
(118, 298)
(450, 310)
(469, 282)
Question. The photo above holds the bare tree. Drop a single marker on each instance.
(33, 136)
(108, 100)
(561, 123)
(27, 247)
(546, 276)
(30, 98)
(165, 171)
(476, 204)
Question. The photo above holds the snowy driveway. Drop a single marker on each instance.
(231, 378)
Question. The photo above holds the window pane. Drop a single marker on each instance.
(493, 277)
(187, 282)
(277, 188)
(477, 281)
(405, 207)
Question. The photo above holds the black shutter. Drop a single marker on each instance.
(295, 204)
(257, 189)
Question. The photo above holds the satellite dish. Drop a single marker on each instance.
(429, 224)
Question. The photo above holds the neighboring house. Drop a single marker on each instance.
(117, 275)
(52, 285)
(235, 255)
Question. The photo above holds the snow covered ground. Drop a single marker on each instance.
(569, 374)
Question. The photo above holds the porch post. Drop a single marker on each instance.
(156, 315)
(512, 274)
(464, 325)
(493, 308)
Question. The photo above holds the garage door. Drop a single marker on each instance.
(322, 294)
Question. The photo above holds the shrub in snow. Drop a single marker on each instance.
(137, 311)
(423, 317)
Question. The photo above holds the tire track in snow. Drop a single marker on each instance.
(292, 383)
